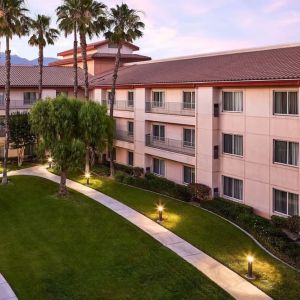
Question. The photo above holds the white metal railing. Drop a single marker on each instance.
(172, 108)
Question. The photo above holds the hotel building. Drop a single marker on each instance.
(228, 120)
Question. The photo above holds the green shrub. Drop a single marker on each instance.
(119, 176)
(199, 192)
(138, 172)
(293, 224)
(279, 222)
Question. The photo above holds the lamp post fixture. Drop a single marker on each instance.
(249, 274)
(50, 160)
(160, 209)
(87, 176)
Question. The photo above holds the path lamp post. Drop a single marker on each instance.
(87, 176)
(50, 161)
(249, 274)
(160, 210)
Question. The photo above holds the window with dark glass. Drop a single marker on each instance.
(285, 103)
(285, 203)
(233, 101)
(29, 98)
(1, 99)
(233, 144)
(159, 166)
(158, 99)
(130, 158)
(286, 152)
(188, 174)
(189, 137)
(130, 128)
(130, 98)
(158, 132)
(233, 188)
(189, 100)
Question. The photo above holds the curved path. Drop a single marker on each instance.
(234, 284)
(6, 293)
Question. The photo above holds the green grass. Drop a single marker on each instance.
(14, 166)
(74, 248)
(209, 233)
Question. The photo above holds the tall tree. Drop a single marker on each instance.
(123, 25)
(42, 35)
(13, 21)
(68, 15)
(92, 22)
(56, 121)
(20, 134)
(94, 124)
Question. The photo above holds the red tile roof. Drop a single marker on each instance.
(124, 57)
(28, 76)
(281, 63)
(94, 46)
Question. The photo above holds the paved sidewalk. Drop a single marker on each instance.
(228, 280)
(6, 293)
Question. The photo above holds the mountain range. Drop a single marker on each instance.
(17, 60)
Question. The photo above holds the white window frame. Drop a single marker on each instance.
(2, 102)
(233, 92)
(128, 158)
(287, 203)
(161, 102)
(160, 167)
(233, 135)
(159, 138)
(287, 103)
(185, 143)
(193, 100)
(128, 132)
(129, 101)
(287, 152)
(233, 182)
(30, 102)
(193, 171)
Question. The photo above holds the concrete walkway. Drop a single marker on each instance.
(6, 293)
(228, 280)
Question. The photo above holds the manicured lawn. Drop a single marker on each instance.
(74, 248)
(209, 233)
(12, 167)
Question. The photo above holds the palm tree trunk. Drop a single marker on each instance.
(7, 107)
(112, 101)
(75, 62)
(85, 66)
(62, 187)
(41, 62)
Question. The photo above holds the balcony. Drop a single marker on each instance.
(172, 108)
(177, 146)
(16, 104)
(120, 105)
(125, 136)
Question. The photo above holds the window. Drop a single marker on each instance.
(130, 128)
(188, 100)
(233, 101)
(109, 95)
(285, 103)
(61, 93)
(285, 203)
(233, 144)
(29, 98)
(130, 158)
(188, 174)
(158, 132)
(114, 154)
(286, 152)
(158, 167)
(130, 98)
(188, 137)
(233, 188)
(158, 99)
(2, 99)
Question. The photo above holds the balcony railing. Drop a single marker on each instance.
(125, 136)
(177, 146)
(120, 105)
(172, 108)
(16, 104)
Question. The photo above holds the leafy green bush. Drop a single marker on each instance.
(200, 192)
(293, 224)
(268, 232)
(156, 184)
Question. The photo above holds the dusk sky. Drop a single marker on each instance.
(177, 27)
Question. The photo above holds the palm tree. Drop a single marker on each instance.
(42, 35)
(13, 21)
(124, 25)
(92, 22)
(68, 15)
